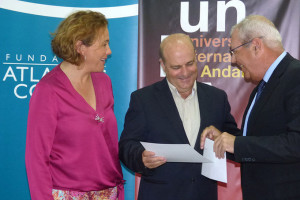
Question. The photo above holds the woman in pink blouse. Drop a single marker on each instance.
(72, 138)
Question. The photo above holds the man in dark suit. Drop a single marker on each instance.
(269, 150)
(173, 111)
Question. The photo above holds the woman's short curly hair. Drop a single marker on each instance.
(80, 26)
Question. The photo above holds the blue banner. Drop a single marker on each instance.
(26, 56)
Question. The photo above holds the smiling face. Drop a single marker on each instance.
(247, 58)
(180, 66)
(96, 54)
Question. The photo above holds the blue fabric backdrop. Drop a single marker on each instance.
(25, 56)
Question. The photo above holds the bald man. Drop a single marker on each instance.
(173, 111)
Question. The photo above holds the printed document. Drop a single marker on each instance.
(212, 167)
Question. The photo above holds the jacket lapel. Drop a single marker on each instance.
(270, 87)
(168, 106)
(248, 106)
(204, 107)
(205, 116)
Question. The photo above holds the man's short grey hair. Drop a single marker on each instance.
(258, 26)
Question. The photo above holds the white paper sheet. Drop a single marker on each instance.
(212, 167)
(175, 152)
(217, 169)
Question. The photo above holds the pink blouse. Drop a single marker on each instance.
(69, 145)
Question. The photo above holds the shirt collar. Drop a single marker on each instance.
(174, 89)
(273, 67)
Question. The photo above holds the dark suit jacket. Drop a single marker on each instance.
(270, 153)
(153, 117)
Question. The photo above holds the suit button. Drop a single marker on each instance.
(193, 180)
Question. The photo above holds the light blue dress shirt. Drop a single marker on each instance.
(266, 79)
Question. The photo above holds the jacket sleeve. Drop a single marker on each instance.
(41, 127)
(130, 148)
(229, 124)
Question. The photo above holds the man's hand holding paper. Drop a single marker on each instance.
(212, 167)
(151, 161)
(223, 142)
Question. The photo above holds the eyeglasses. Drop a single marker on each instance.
(231, 51)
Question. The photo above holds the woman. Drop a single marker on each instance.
(72, 139)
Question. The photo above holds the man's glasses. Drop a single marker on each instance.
(231, 51)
